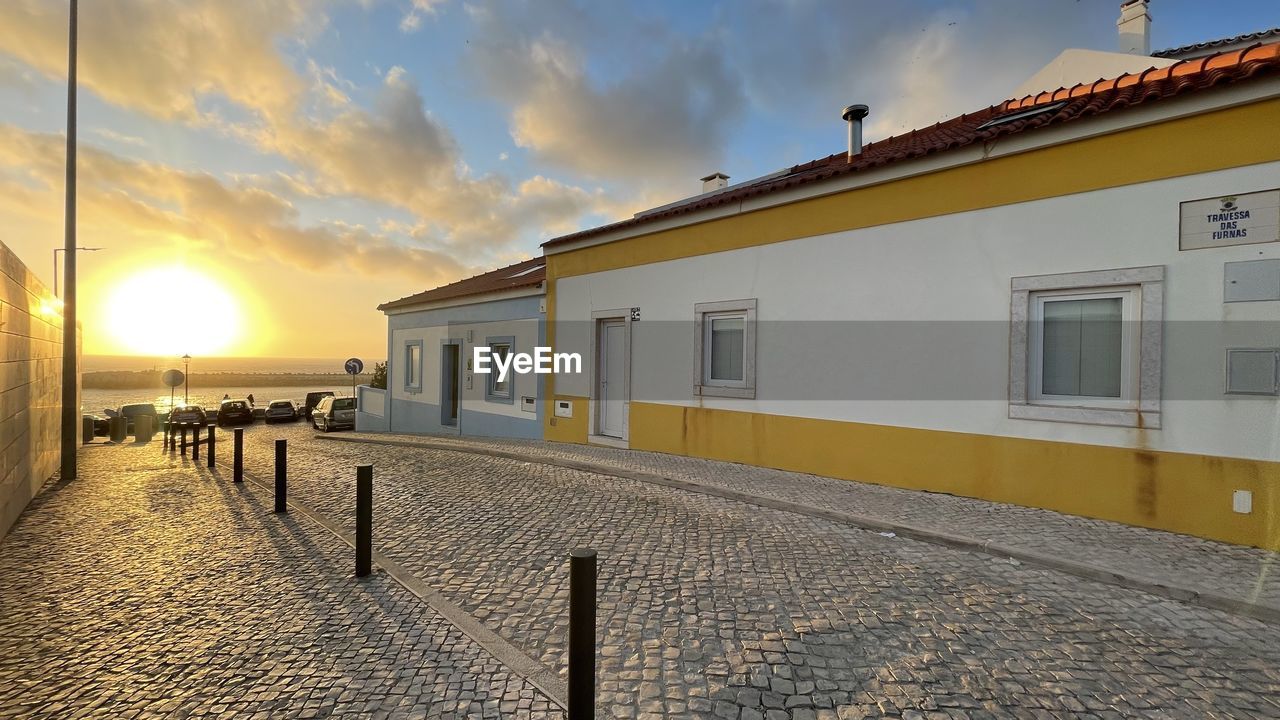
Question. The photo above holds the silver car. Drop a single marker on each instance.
(334, 413)
(280, 411)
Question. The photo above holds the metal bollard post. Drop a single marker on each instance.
(237, 461)
(582, 634)
(195, 442)
(364, 520)
(282, 453)
(212, 439)
(184, 439)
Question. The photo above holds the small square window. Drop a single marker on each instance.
(1083, 347)
(725, 348)
(1086, 347)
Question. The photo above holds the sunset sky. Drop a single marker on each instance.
(297, 162)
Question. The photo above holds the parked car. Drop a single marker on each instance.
(281, 411)
(334, 413)
(188, 414)
(235, 412)
(313, 399)
(132, 412)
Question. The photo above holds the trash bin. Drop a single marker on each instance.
(119, 429)
(86, 430)
(142, 428)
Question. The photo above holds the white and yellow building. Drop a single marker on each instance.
(1056, 302)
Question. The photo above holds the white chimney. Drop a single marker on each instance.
(1135, 27)
(714, 181)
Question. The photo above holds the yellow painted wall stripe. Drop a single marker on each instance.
(1179, 492)
(1154, 152)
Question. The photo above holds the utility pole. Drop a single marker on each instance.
(70, 404)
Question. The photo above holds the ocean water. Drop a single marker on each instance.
(94, 401)
(95, 363)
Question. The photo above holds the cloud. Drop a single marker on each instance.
(397, 154)
(154, 203)
(121, 138)
(666, 118)
(167, 58)
(914, 63)
(163, 57)
(412, 19)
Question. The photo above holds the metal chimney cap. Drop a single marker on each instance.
(856, 112)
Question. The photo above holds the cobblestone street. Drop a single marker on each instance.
(151, 588)
(718, 607)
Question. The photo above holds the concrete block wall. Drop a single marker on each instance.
(30, 386)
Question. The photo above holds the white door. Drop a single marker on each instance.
(613, 348)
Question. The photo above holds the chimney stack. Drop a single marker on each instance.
(854, 115)
(1135, 27)
(714, 181)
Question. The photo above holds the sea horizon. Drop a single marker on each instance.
(134, 363)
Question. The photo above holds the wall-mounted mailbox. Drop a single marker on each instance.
(528, 404)
(564, 408)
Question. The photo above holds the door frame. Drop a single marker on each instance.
(444, 385)
(598, 318)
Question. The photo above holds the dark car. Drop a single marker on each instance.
(188, 414)
(334, 413)
(235, 412)
(313, 399)
(132, 412)
(281, 411)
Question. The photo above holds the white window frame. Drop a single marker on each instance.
(1129, 351)
(702, 384)
(1142, 347)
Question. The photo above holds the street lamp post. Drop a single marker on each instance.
(55, 263)
(186, 378)
(70, 372)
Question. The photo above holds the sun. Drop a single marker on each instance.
(172, 311)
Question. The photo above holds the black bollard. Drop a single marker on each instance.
(212, 439)
(582, 635)
(282, 453)
(195, 442)
(237, 462)
(184, 439)
(364, 520)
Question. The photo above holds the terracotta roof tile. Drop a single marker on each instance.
(1260, 36)
(523, 274)
(1060, 106)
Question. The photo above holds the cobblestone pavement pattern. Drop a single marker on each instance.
(1243, 573)
(716, 608)
(147, 590)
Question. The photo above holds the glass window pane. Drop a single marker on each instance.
(1082, 347)
(499, 387)
(728, 345)
(413, 363)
